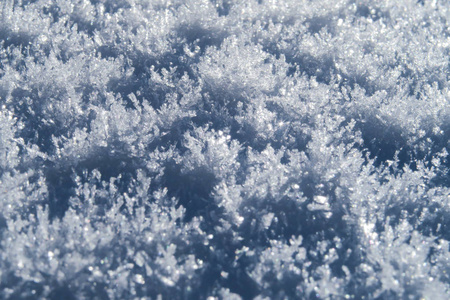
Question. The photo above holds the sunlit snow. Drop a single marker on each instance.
(224, 149)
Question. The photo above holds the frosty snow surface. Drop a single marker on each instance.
(224, 149)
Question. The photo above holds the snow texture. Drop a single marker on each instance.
(224, 149)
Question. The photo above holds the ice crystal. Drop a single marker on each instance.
(224, 149)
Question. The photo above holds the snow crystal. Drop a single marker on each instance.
(224, 149)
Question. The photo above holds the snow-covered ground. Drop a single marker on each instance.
(224, 149)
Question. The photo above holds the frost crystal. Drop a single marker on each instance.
(224, 149)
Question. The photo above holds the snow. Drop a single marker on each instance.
(224, 149)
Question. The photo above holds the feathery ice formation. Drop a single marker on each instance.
(224, 149)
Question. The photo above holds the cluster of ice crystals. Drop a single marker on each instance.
(224, 149)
